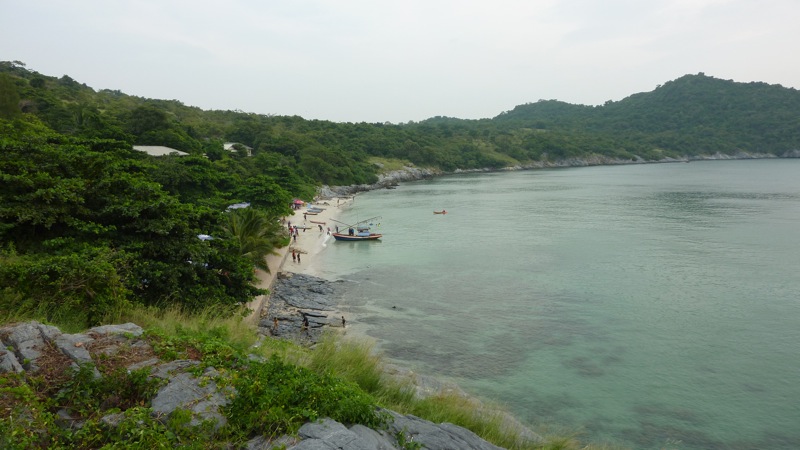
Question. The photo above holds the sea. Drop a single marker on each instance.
(642, 306)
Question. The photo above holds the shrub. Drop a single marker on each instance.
(275, 398)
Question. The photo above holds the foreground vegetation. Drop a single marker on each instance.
(277, 393)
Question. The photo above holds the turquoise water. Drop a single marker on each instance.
(647, 306)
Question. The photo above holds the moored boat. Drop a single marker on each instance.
(356, 237)
(359, 231)
(440, 212)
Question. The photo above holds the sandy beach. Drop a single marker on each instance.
(308, 244)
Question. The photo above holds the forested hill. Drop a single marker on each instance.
(693, 115)
(88, 226)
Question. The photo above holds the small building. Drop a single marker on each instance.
(235, 146)
(159, 150)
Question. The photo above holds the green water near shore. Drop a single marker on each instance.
(648, 306)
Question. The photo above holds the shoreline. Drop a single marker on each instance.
(310, 243)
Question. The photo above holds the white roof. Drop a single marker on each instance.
(229, 146)
(158, 150)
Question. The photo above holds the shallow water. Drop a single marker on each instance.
(648, 306)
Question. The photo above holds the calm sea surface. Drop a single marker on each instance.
(647, 306)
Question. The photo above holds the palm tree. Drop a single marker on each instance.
(255, 234)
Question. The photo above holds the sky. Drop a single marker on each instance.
(399, 61)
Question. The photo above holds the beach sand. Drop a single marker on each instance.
(308, 244)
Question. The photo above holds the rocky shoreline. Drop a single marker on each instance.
(411, 173)
(295, 296)
(40, 349)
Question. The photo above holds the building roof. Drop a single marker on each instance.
(158, 150)
(229, 146)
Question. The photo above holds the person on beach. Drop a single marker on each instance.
(294, 256)
(298, 257)
(295, 236)
(343, 321)
(320, 228)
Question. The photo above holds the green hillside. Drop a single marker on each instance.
(693, 115)
(88, 226)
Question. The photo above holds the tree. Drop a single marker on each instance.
(9, 98)
(255, 235)
(265, 193)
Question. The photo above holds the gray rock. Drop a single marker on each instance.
(204, 399)
(297, 295)
(167, 370)
(48, 332)
(27, 340)
(373, 439)
(124, 329)
(74, 346)
(8, 361)
(330, 431)
(436, 437)
(313, 444)
(147, 363)
(198, 395)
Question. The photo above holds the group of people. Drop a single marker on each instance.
(296, 255)
(293, 231)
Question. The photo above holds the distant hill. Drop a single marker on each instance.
(691, 116)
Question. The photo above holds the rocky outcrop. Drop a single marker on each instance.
(327, 434)
(36, 347)
(296, 297)
(386, 180)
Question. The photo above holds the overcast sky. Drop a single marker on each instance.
(399, 61)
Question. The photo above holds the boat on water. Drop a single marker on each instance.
(356, 236)
(440, 212)
(359, 231)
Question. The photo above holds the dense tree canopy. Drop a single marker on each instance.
(88, 225)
